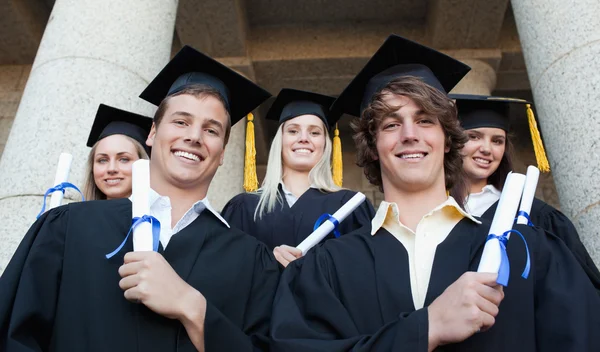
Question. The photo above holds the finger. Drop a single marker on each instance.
(135, 257)
(131, 268)
(487, 321)
(132, 295)
(488, 279)
(486, 306)
(292, 250)
(494, 295)
(129, 282)
(288, 256)
(281, 260)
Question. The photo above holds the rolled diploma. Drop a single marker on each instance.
(531, 181)
(327, 226)
(140, 204)
(62, 175)
(502, 222)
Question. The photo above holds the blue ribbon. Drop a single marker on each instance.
(526, 216)
(504, 271)
(326, 217)
(59, 187)
(135, 222)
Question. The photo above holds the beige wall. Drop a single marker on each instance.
(12, 83)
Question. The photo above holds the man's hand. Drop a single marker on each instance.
(467, 306)
(286, 254)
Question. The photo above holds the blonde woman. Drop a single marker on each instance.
(298, 187)
(117, 139)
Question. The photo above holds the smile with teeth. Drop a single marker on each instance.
(303, 151)
(113, 181)
(412, 156)
(187, 155)
(481, 161)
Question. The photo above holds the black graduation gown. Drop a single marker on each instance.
(290, 226)
(550, 219)
(353, 294)
(60, 293)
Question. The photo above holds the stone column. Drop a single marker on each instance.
(480, 80)
(561, 45)
(92, 52)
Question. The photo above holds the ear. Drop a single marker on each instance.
(222, 157)
(150, 139)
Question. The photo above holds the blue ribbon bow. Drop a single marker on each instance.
(504, 271)
(329, 217)
(526, 216)
(135, 222)
(59, 187)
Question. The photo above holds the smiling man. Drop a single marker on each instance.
(407, 282)
(208, 287)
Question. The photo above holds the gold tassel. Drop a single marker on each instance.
(538, 146)
(250, 178)
(336, 163)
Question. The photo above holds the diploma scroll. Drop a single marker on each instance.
(322, 231)
(531, 181)
(62, 175)
(503, 221)
(140, 204)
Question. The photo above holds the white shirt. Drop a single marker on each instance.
(478, 203)
(160, 208)
(289, 196)
(432, 230)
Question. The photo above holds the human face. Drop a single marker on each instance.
(483, 152)
(410, 147)
(112, 165)
(189, 143)
(303, 143)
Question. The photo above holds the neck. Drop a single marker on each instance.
(181, 199)
(477, 185)
(413, 205)
(295, 181)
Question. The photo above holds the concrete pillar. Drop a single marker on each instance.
(92, 52)
(561, 45)
(480, 80)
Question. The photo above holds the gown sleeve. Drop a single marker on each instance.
(237, 214)
(308, 315)
(30, 284)
(554, 221)
(220, 334)
(360, 217)
(566, 303)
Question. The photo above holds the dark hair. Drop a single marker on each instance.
(498, 178)
(199, 91)
(433, 103)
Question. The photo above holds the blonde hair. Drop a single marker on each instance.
(90, 189)
(320, 175)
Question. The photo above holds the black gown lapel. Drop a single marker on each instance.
(453, 257)
(392, 275)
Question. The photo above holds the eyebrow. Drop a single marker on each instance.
(119, 153)
(215, 122)
(309, 126)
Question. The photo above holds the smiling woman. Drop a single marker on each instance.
(298, 187)
(117, 139)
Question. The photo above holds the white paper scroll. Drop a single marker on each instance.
(62, 175)
(503, 221)
(140, 204)
(533, 175)
(327, 226)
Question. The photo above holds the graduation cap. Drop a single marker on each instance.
(476, 111)
(191, 67)
(110, 121)
(291, 103)
(399, 57)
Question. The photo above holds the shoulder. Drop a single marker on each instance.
(243, 200)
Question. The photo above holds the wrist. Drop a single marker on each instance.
(192, 308)
(432, 334)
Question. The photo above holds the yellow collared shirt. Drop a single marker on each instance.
(432, 230)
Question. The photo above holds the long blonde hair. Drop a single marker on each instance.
(90, 189)
(320, 175)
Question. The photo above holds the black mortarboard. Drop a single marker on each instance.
(477, 111)
(111, 121)
(399, 57)
(291, 103)
(191, 67)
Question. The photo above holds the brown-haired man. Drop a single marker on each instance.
(208, 287)
(406, 283)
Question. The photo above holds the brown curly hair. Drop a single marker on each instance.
(433, 103)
